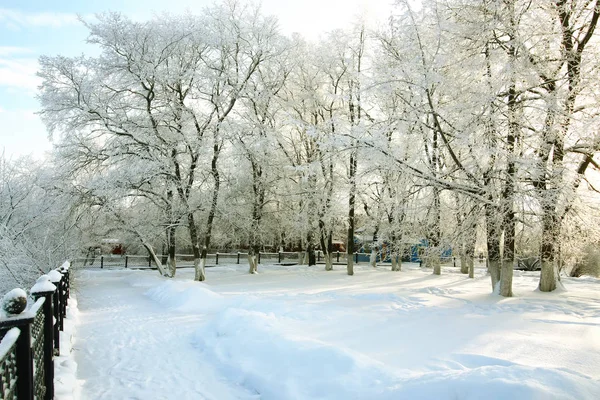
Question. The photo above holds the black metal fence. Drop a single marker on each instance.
(187, 260)
(30, 340)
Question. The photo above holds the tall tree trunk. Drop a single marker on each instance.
(310, 252)
(355, 113)
(434, 256)
(156, 260)
(194, 239)
(200, 267)
(395, 251)
(257, 212)
(470, 248)
(493, 245)
(171, 248)
(374, 248)
(574, 39)
(549, 273)
(326, 240)
(464, 266)
(508, 194)
(253, 260)
(351, 220)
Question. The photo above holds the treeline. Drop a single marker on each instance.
(471, 124)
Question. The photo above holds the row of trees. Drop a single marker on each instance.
(37, 224)
(459, 120)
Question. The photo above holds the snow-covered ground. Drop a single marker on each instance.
(304, 333)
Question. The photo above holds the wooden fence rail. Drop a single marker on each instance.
(29, 341)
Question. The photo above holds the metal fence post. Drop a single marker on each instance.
(318, 255)
(149, 261)
(217, 258)
(126, 259)
(63, 299)
(279, 257)
(25, 362)
(356, 258)
(23, 354)
(68, 287)
(338, 256)
(259, 257)
(238, 257)
(55, 278)
(48, 340)
(101, 261)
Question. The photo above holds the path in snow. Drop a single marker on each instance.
(129, 347)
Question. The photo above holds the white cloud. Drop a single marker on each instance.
(22, 132)
(19, 73)
(13, 50)
(16, 19)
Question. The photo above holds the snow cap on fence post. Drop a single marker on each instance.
(14, 302)
(65, 266)
(55, 276)
(43, 285)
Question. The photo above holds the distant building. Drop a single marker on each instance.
(111, 246)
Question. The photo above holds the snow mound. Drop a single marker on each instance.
(304, 345)
(260, 352)
(475, 377)
(438, 291)
(186, 296)
(261, 349)
(257, 351)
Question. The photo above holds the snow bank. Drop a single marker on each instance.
(258, 351)
(186, 296)
(66, 385)
(489, 378)
(255, 350)
(293, 341)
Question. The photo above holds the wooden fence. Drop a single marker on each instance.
(30, 340)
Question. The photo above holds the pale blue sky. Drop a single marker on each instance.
(30, 28)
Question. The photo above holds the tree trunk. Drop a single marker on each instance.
(326, 244)
(171, 260)
(156, 260)
(464, 267)
(436, 263)
(508, 213)
(493, 246)
(470, 248)
(165, 250)
(257, 213)
(548, 276)
(253, 260)
(435, 242)
(351, 221)
(200, 265)
(396, 261)
(471, 267)
(373, 257)
(200, 273)
(311, 255)
(328, 261)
